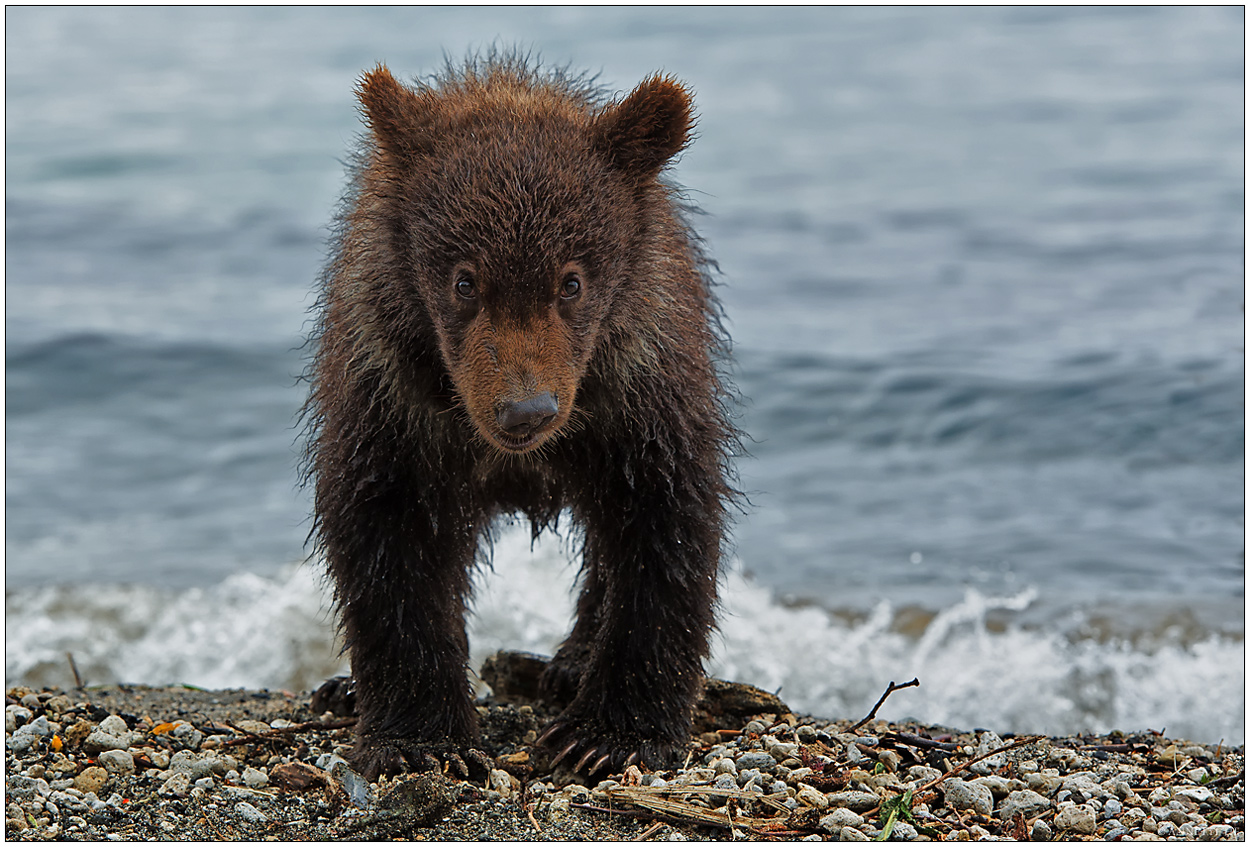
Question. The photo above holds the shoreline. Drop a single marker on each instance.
(136, 762)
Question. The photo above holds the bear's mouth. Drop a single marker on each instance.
(520, 444)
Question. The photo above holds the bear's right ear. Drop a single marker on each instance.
(396, 115)
(646, 129)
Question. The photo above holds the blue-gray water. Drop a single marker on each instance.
(983, 269)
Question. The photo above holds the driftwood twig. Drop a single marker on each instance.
(1022, 742)
(887, 693)
(649, 831)
(73, 666)
(274, 734)
(909, 740)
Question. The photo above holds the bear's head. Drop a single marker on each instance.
(519, 218)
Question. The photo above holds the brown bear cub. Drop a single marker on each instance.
(516, 318)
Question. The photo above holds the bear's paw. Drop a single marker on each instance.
(376, 755)
(583, 749)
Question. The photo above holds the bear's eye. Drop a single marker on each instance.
(571, 287)
(466, 284)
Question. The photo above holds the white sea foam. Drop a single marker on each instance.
(253, 632)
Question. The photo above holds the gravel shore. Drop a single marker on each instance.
(140, 763)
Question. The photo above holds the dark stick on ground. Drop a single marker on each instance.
(911, 740)
(73, 666)
(1022, 742)
(887, 693)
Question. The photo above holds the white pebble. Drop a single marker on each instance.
(114, 725)
(254, 778)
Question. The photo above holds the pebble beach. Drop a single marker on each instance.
(143, 763)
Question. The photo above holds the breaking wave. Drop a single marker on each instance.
(253, 631)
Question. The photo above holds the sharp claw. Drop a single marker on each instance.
(547, 733)
(633, 759)
(586, 758)
(563, 753)
(599, 763)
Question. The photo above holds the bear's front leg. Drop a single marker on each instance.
(656, 557)
(401, 568)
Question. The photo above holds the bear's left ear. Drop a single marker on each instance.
(646, 129)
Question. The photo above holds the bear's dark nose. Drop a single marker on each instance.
(529, 415)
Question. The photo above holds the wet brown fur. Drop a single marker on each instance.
(505, 182)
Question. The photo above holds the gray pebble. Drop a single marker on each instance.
(1026, 802)
(850, 833)
(1085, 783)
(15, 716)
(903, 831)
(250, 813)
(985, 743)
(968, 796)
(860, 801)
(1216, 832)
(356, 786)
(19, 743)
(39, 726)
(178, 784)
(1045, 782)
(753, 728)
(111, 734)
(1197, 793)
(1041, 831)
(188, 735)
(118, 762)
(748, 775)
(725, 780)
(31, 701)
(922, 773)
(998, 786)
(756, 759)
(783, 751)
(833, 822)
(1080, 819)
(726, 765)
(806, 734)
(198, 766)
(811, 797)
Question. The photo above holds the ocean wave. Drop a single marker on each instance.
(1095, 406)
(257, 632)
